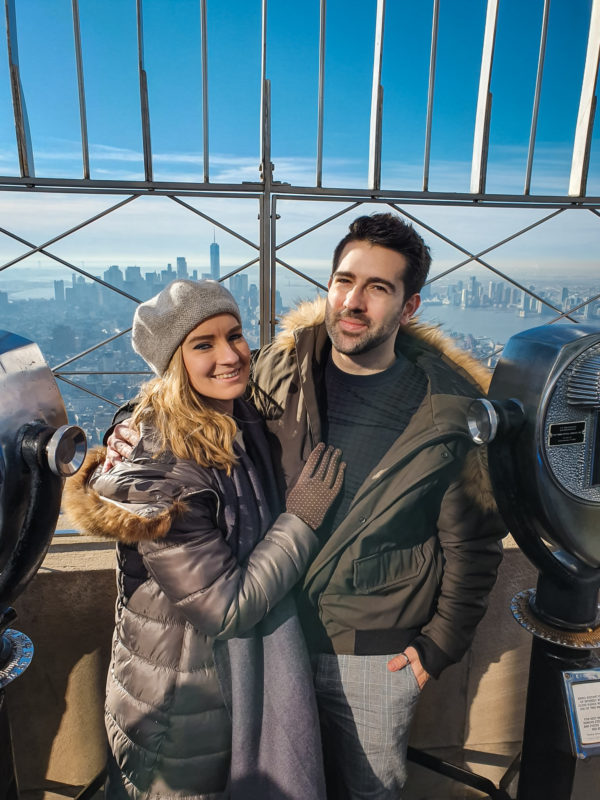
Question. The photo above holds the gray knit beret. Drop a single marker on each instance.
(162, 323)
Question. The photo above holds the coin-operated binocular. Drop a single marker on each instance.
(37, 451)
(542, 423)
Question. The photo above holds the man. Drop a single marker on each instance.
(410, 552)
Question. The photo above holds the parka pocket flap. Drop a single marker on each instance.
(387, 568)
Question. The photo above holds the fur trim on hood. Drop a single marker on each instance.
(312, 313)
(96, 516)
(475, 471)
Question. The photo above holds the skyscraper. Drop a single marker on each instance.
(59, 292)
(181, 267)
(215, 262)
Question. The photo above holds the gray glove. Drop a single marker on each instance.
(318, 485)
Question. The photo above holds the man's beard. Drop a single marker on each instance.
(364, 342)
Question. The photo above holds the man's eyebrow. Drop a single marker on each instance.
(372, 279)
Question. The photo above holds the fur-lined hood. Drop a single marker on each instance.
(312, 313)
(127, 522)
(475, 377)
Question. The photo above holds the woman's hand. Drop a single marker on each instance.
(318, 485)
(120, 444)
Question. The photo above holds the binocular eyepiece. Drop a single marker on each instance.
(488, 418)
(62, 449)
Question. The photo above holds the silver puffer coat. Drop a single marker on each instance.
(183, 533)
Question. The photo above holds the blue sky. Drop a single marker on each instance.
(172, 56)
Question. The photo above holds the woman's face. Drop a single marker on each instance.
(217, 360)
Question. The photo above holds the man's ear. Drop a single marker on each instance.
(411, 306)
(329, 281)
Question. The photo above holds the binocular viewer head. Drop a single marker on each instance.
(37, 450)
(542, 423)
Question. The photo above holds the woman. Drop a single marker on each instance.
(200, 561)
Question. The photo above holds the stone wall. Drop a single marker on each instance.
(473, 715)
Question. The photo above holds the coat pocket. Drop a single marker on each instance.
(387, 568)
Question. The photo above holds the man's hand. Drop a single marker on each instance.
(120, 444)
(409, 657)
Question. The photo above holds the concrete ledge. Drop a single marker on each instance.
(56, 706)
(473, 715)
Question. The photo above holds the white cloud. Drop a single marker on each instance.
(151, 231)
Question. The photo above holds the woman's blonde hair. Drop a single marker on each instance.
(184, 423)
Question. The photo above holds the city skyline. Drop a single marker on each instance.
(234, 31)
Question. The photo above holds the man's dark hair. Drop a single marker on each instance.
(389, 230)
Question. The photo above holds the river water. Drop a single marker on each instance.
(498, 324)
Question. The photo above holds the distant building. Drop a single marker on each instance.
(167, 275)
(238, 285)
(114, 276)
(59, 292)
(182, 271)
(215, 262)
(133, 274)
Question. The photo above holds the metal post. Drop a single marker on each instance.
(587, 108)
(203, 44)
(484, 103)
(376, 102)
(536, 98)
(322, 21)
(145, 110)
(85, 155)
(432, 60)
(20, 110)
(266, 173)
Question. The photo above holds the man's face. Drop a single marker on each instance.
(366, 303)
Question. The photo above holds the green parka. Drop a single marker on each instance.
(419, 548)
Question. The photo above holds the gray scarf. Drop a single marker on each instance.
(265, 676)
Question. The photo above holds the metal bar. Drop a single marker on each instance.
(252, 190)
(22, 132)
(318, 225)
(272, 259)
(536, 98)
(321, 91)
(213, 221)
(61, 235)
(477, 257)
(110, 339)
(565, 314)
(301, 274)
(239, 269)
(67, 264)
(430, 91)
(263, 78)
(514, 766)
(265, 218)
(144, 108)
(85, 154)
(203, 46)
(88, 792)
(465, 198)
(335, 196)
(192, 188)
(587, 108)
(88, 391)
(484, 102)
(456, 773)
(374, 180)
